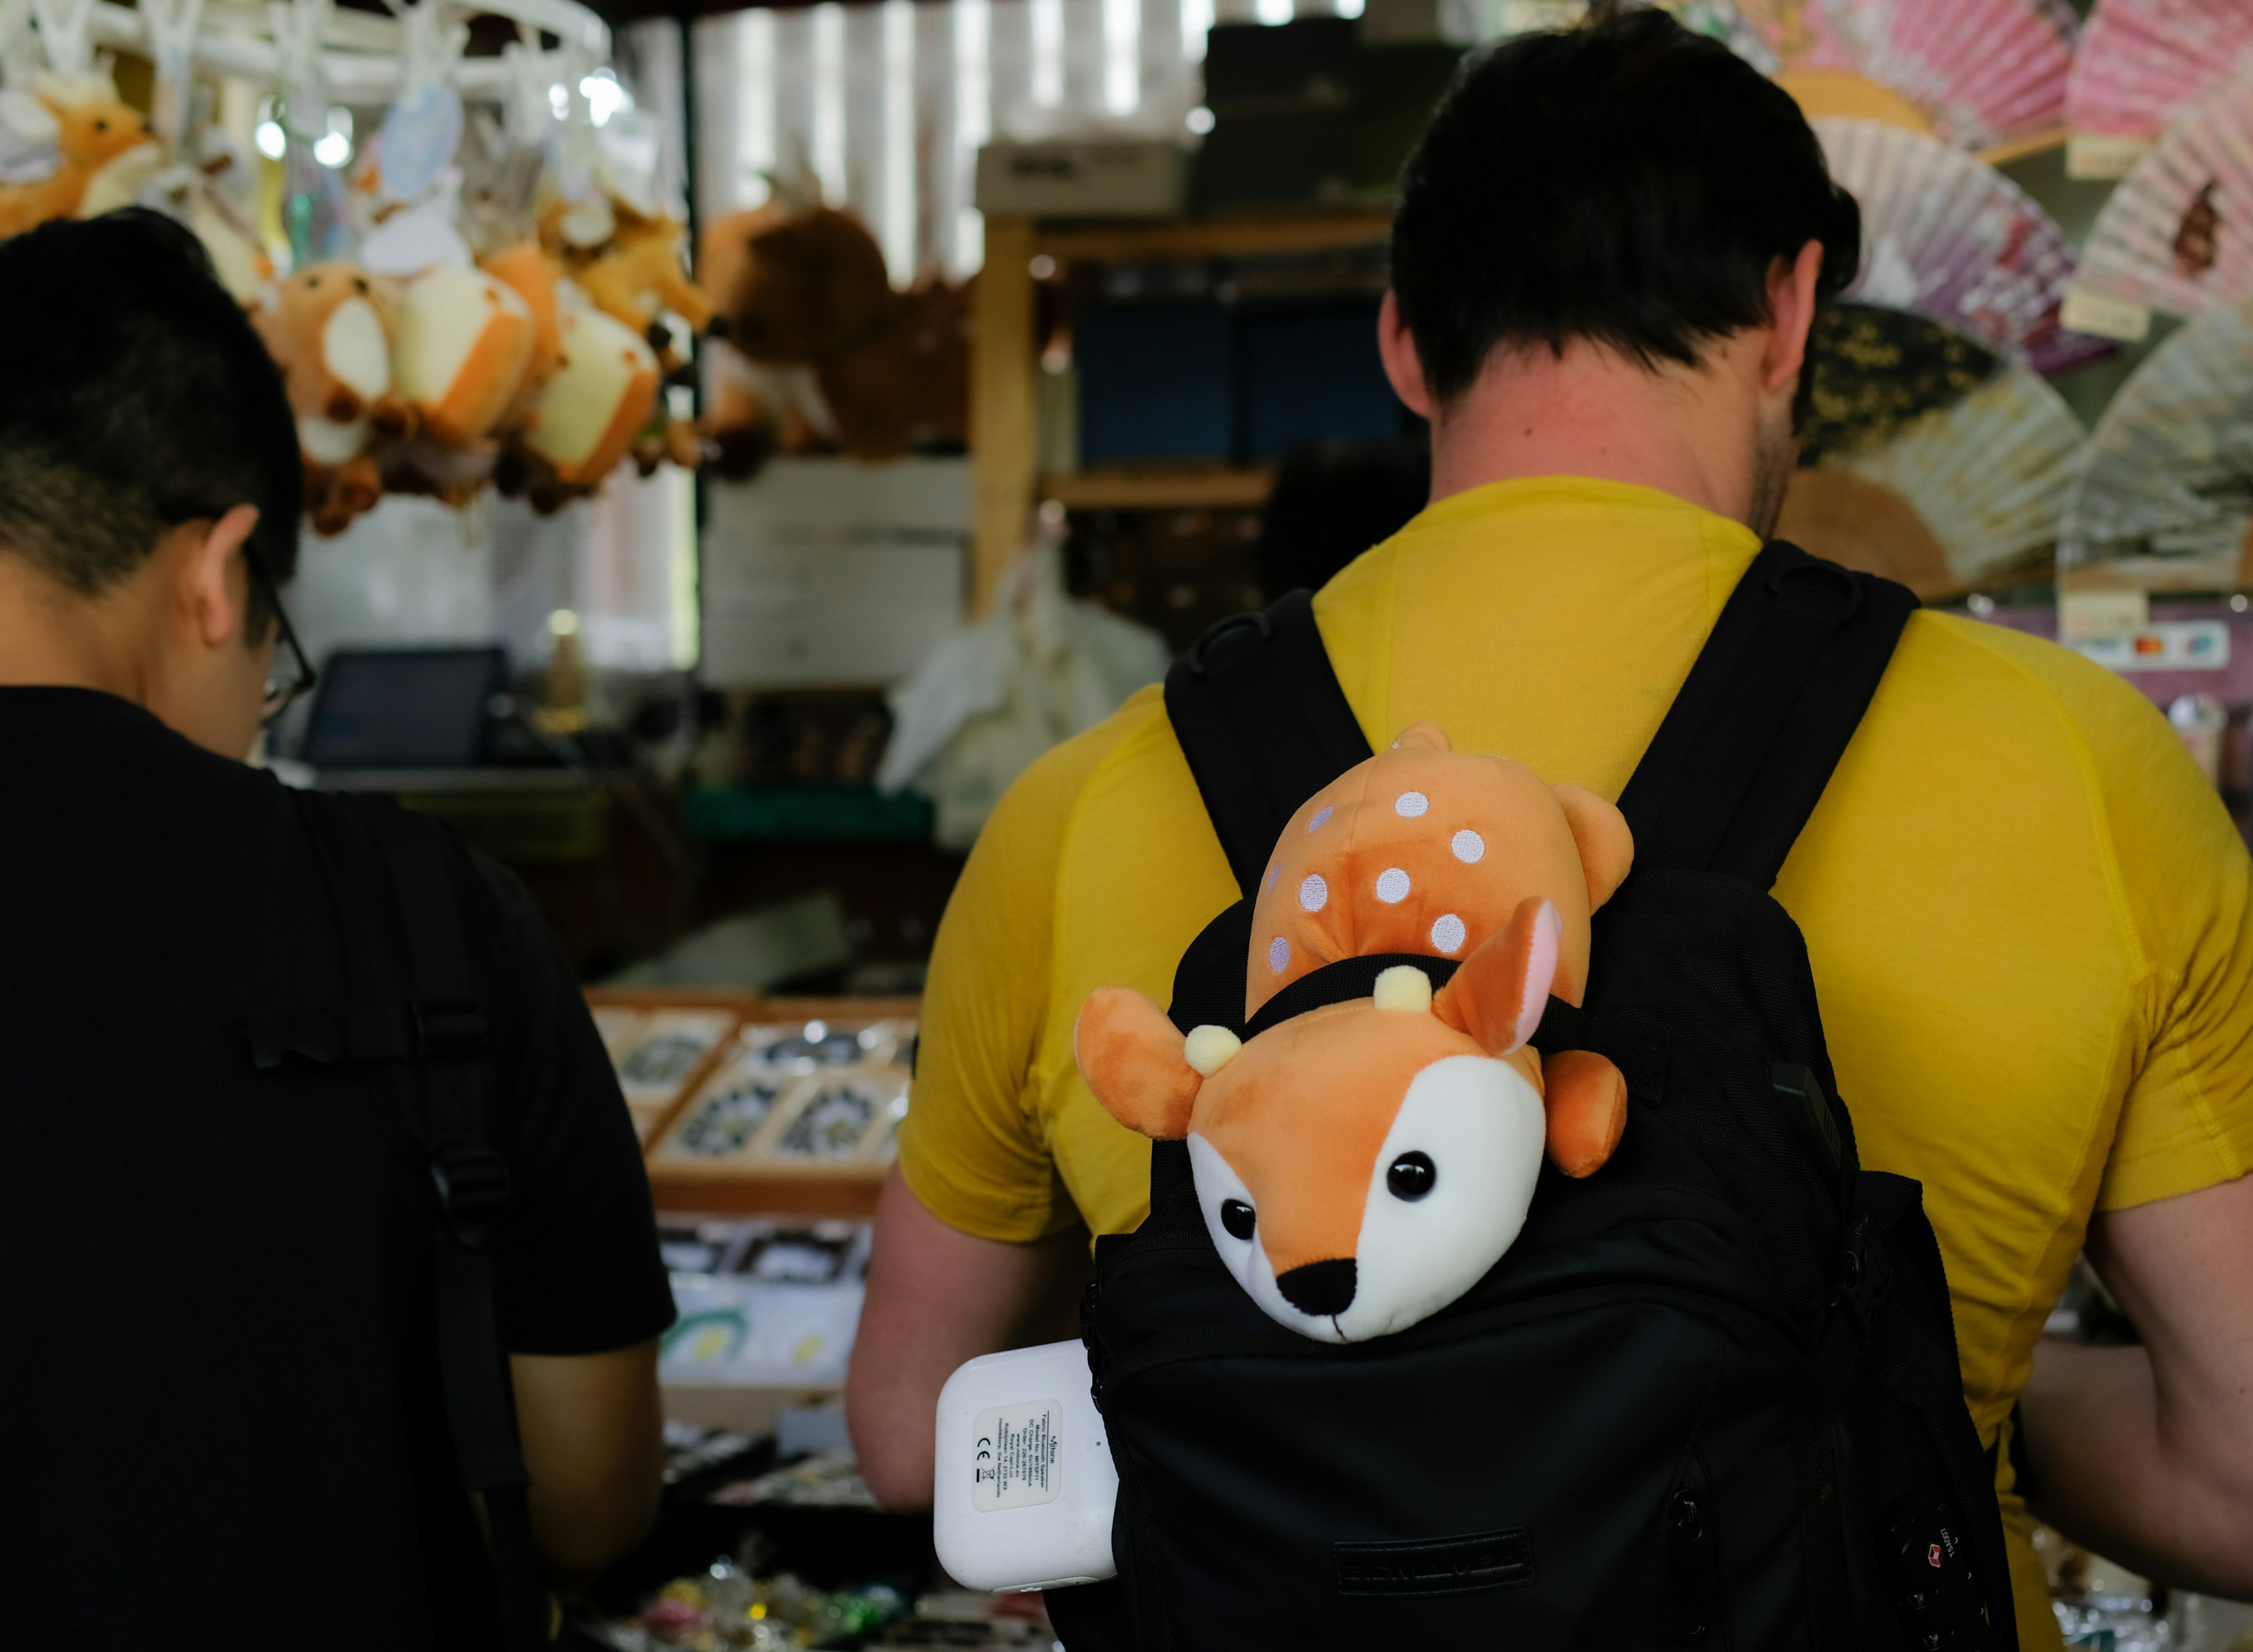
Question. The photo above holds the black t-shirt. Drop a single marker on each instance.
(220, 1417)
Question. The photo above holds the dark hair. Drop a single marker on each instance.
(1332, 501)
(1629, 183)
(134, 396)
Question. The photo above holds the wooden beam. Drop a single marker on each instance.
(1181, 487)
(1002, 429)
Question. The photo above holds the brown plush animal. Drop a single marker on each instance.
(328, 329)
(533, 276)
(88, 136)
(808, 291)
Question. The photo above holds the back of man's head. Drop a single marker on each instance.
(1628, 183)
(133, 396)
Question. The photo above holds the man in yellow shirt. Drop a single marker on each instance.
(2028, 914)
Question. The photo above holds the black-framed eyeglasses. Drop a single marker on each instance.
(292, 675)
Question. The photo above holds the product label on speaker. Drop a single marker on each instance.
(1017, 1455)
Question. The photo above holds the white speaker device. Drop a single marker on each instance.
(1024, 1481)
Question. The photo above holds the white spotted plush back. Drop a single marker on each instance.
(1426, 850)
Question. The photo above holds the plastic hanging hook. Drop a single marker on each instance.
(63, 29)
(172, 25)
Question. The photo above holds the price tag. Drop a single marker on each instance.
(2103, 155)
(2104, 316)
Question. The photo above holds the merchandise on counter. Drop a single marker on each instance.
(727, 1607)
(2165, 494)
(763, 1303)
(2172, 236)
(825, 1480)
(2138, 65)
(1926, 457)
(658, 1055)
(816, 1095)
(1947, 236)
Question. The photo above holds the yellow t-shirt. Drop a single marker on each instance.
(2027, 911)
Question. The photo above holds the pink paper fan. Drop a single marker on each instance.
(2177, 233)
(1948, 237)
(1984, 71)
(2143, 62)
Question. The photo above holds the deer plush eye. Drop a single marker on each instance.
(1237, 1216)
(1412, 1176)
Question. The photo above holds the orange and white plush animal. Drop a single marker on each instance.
(598, 401)
(86, 137)
(463, 344)
(1362, 1164)
(325, 327)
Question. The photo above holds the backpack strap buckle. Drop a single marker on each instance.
(473, 1187)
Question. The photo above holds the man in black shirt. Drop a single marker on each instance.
(220, 1418)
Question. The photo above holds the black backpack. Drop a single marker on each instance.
(1709, 1398)
(414, 1017)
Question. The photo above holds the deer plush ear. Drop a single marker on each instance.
(1423, 737)
(1497, 996)
(1607, 847)
(1137, 1062)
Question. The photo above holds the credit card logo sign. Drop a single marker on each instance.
(1017, 1456)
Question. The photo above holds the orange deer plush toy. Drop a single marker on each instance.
(1361, 1164)
(86, 137)
(327, 328)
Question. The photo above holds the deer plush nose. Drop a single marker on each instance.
(1319, 1287)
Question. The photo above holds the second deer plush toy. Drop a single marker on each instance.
(1361, 1164)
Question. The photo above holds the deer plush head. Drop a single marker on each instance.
(1361, 1164)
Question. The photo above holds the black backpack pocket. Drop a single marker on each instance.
(1518, 1472)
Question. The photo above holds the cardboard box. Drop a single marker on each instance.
(1082, 179)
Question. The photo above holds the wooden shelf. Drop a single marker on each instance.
(1161, 488)
(1214, 238)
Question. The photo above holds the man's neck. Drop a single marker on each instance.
(51, 638)
(1593, 412)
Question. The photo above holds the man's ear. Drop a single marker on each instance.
(1404, 365)
(1136, 1062)
(1497, 996)
(214, 584)
(1791, 316)
(1601, 830)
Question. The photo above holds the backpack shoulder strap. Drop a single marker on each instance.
(433, 1032)
(1736, 768)
(1264, 724)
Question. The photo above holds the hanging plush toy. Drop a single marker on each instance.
(325, 327)
(533, 276)
(583, 424)
(1362, 1164)
(639, 277)
(56, 148)
(463, 343)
